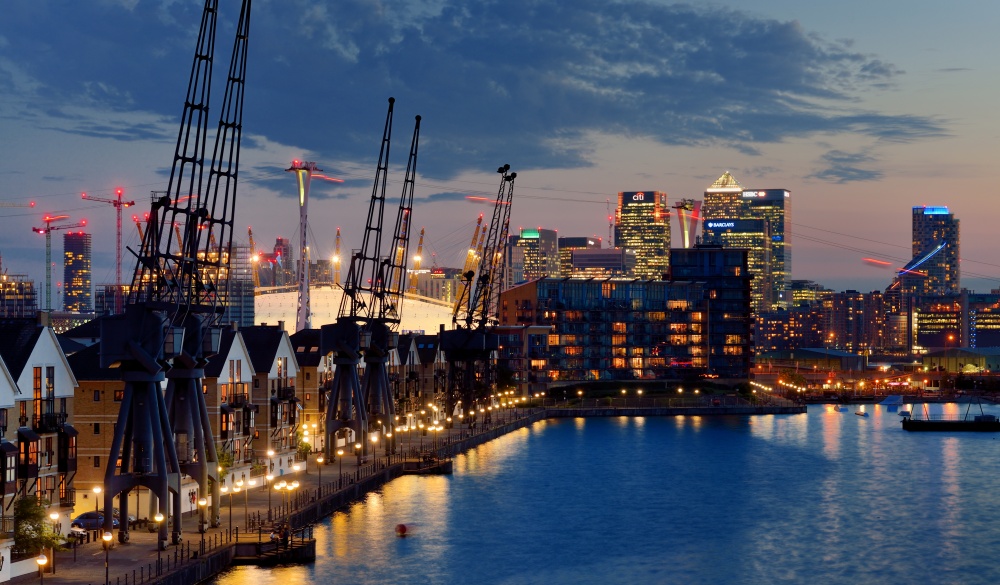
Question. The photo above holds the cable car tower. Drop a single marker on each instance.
(170, 326)
(370, 311)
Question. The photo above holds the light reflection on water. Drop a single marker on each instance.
(828, 497)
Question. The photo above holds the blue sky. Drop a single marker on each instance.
(861, 109)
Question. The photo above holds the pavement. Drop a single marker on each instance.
(136, 561)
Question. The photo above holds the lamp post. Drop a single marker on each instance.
(268, 477)
(374, 444)
(225, 490)
(357, 452)
(202, 503)
(97, 492)
(293, 486)
(54, 517)
(340, 457)
(319, 465)
(106, 537)
(270, 463)
(159, 557)
(41, 560)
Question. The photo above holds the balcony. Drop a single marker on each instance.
(68, 499)
(238, 400)
(49, 422)
(286, 393)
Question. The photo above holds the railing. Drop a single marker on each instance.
(238, 400)
(49, 422)
(286, 393)
(68, 499)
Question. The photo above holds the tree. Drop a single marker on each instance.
(33, 530)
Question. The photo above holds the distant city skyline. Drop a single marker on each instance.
(860, 121)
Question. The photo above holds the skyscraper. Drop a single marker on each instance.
(775, 207)
(566, 247)
(642, 224)
(755, 236)
(727, 200)
(532, 255)
(934, 268)
(77, 295)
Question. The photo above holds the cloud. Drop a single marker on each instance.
(444, 196)
(521, 81)
(845, 167)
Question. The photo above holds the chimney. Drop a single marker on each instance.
(45, 318)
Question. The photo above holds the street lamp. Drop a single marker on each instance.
(357, 451)
(267, 486)
(97, 492)
(374, 444)
(225, 490)
(270, 464)
(57, 528)
(106, 537)
(159, 547)
(202, 502)
(340, 457)
(41, 560)
(319, 464)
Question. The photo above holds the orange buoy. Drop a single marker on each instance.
(401, 530)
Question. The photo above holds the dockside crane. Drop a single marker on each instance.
(118, 203)
(470, 346)
(171, 323)
(47, 232)
(369, 313)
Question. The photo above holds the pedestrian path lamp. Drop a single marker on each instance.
(97, 493)
(267, 486)
(340, 457)
(225, 490)
(106, 537)
(159, 544)
(357, 452)
(202, 503)
(319, 464)
(41, 560)
(56, 528)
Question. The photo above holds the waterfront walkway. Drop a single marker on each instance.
(245, 517)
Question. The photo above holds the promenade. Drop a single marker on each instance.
(321, 491)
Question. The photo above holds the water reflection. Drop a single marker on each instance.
(827, 497)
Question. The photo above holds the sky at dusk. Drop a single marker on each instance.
(861, 109)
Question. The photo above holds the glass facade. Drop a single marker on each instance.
(642, 224)
(77, 291)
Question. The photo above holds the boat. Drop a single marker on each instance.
(905, 413)
(982, 422)
(861, 413)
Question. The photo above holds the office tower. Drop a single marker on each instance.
(77, 295)
(602, 263)
(532, 255)
(934, 267)
(239, 296)
(642, 224)
(755, 236)
(726, 199)
(775, 207)
(18, 297)
(723, 199)
(568, 245)
(284, 262)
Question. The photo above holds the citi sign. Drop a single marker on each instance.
(638, 196)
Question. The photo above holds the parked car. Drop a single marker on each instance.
(117, 514)
(91, 521)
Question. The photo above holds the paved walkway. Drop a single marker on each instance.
(131, 563)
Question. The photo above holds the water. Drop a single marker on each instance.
(825, 497)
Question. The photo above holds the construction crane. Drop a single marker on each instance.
(4, 204)
(171, 324)
(417, 260)
(470, 346)
(255, 261)
(336, 261)
(303, 175)
(369, 314)
(118, 203)
(469, 269)
(47, 232)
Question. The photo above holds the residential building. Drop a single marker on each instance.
(226, 385)
(602, 263)
(77, 288)
(311, 383)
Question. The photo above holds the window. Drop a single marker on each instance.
(62, 405)
(308, 396)
(97, 395)
(119, 395)
(307, 375)
(50, 383)
(97, 428)
(97, 460)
